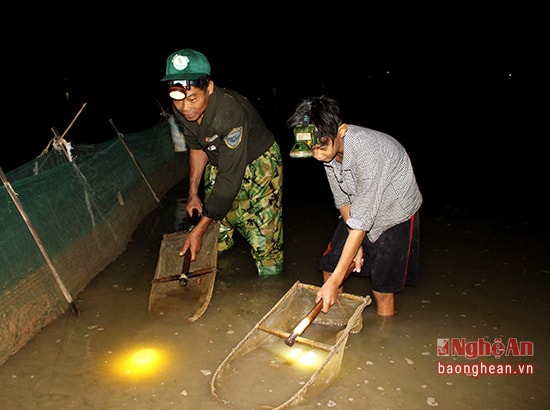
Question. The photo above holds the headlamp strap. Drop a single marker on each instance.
(307, 115)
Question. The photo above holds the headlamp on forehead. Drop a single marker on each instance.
(305, 136)
(178, 89)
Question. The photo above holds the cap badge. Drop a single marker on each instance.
(180, 62)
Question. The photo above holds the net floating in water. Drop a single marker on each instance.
(192, 300)
(277, 376)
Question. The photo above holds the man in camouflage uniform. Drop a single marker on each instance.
(241, 162)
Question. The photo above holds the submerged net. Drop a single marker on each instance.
(167, 293)
(263, 372)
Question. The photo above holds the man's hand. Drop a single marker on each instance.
(193, 243)
(358, 260)
(193, 206)
(329, 293)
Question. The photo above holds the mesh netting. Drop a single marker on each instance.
(190, 300)
(277, 376)
(83, 212)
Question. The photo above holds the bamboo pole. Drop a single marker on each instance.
(284, 335)
(304, 323)
(163, 112)
(123, 140)
(38, 241)
(73, 121)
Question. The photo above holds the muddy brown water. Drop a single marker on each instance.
(482, 282)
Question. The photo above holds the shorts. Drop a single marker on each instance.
(391, 262)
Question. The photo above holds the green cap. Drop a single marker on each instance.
(186, 64)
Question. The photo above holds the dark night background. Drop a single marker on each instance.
(460, 88)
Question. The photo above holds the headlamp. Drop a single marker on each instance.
(178, 89)
(305, 137)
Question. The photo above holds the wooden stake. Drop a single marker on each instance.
(39, 243)
(135, 162)
(73, 121)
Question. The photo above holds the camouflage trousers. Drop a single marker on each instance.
(257, 211)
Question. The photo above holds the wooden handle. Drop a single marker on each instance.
(315, 311)
(304, 323)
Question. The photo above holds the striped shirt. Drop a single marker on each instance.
(376, 178)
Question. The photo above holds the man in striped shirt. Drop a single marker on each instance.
(374, 187)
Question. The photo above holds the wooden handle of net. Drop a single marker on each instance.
(304, 323)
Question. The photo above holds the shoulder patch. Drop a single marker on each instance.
(233, 139)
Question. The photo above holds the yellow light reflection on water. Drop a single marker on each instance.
(139, 363)
(304, 357)
(310, 359)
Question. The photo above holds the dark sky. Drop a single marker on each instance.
(456, 86)
(114, 62)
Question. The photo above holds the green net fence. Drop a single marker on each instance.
(83, 211)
